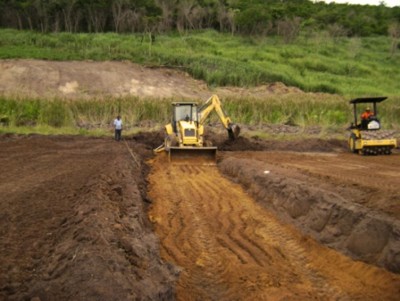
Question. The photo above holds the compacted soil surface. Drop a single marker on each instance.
(94, 219)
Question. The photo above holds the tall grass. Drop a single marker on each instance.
(315, 63)
(344, 67)
(96, 116)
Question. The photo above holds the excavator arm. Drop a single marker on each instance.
(214, 104)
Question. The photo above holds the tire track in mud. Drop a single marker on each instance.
(229, 248)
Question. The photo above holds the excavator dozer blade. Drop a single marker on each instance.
(193, 155)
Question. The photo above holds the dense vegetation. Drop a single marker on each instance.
(315, 63)
(331, 113)
(258, 17)
(345, 50)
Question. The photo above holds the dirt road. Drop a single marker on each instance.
(231, 248)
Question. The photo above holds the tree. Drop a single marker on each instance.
(336, 30)
(226, 18)
(254, 20)
(289, 29)
(167, 7)
(119, 10)
(185, 15)
(394, 33)
(96, 11)
(71, 15)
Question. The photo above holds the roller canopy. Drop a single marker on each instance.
(368, 99)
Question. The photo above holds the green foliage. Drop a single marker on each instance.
(291, 109)
(95, 116)
(259, 18)
(20, 113)
(54, 113)
(317, 63)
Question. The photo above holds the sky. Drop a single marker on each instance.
(390, 3)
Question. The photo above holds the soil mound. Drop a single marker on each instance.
(257, 144)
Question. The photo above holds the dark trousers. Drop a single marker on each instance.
(118, 135)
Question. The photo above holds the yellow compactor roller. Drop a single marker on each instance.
(366, 135)
(185, 134)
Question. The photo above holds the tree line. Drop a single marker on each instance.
(255, 17)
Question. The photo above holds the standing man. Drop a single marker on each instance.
(118, 128)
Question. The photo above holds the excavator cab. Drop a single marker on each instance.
(184, 111)
(185, 142)
(185, 123)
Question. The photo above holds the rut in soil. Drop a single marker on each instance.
(230, 248)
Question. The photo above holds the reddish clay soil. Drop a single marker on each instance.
(94, 219)
(230, 247)
(75, 226)
(274, 236)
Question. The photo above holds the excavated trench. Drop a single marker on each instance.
(272, 234)
(295, 220)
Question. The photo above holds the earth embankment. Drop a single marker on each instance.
(345, 201)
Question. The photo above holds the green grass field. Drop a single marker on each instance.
(94, 117)
(347, 66)
(344, 68)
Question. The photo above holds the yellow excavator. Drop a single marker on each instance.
(185, 134)
(367, 137)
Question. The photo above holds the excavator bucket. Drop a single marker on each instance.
(233, 132)
(236, 131)
(193, 155)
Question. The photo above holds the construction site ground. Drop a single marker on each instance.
(94, 219)
(79, 221)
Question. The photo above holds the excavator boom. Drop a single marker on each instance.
(214, 104)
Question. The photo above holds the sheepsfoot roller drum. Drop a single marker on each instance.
(193, 155)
